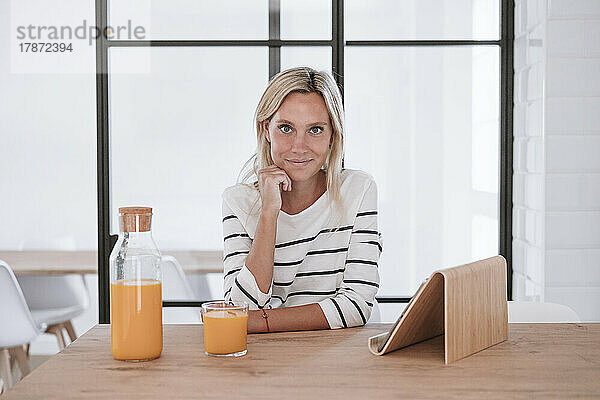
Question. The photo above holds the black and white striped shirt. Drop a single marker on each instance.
(317, 259)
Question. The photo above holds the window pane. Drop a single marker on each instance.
(305, 20)
(318, 58)
(426, 126)
(193, 19)
(180, 134)
(422, 19)
(47, 135)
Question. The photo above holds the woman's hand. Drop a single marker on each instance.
(269, 181)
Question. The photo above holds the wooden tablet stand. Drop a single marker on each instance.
(466, 303)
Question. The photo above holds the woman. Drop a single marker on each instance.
(304, 234)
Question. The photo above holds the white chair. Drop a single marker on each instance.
(536, 312)
(175, 286)
(17, 326)
(55, 301)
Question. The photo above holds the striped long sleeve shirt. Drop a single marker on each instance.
(318, 258)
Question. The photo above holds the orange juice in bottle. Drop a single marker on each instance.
(135, 289)
(136, 319)
(225, 328)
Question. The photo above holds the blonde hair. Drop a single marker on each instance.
(301, 80)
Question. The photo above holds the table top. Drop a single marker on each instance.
(50, 262)
(538, 360)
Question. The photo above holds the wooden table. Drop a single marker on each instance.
(86, 262)
(539, 360)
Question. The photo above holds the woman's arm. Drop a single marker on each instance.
(238, 283)
(248, 263)
(262, 252)
(300, 318)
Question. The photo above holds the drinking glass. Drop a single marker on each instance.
(225, 328)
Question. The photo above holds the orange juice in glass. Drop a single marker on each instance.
(225, 328)
(136, 319)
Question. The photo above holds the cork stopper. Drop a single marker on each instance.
(135, 219)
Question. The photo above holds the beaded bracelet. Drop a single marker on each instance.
(266, 317)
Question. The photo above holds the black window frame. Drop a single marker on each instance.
(274, 43)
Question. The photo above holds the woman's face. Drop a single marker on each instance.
(300, 134)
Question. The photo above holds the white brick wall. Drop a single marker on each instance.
(528, 151)
(556, 216)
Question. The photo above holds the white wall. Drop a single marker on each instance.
(556, 218)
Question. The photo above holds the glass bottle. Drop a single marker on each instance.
(135, 289)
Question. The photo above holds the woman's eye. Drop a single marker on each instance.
(315, 130)
(285, 128)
